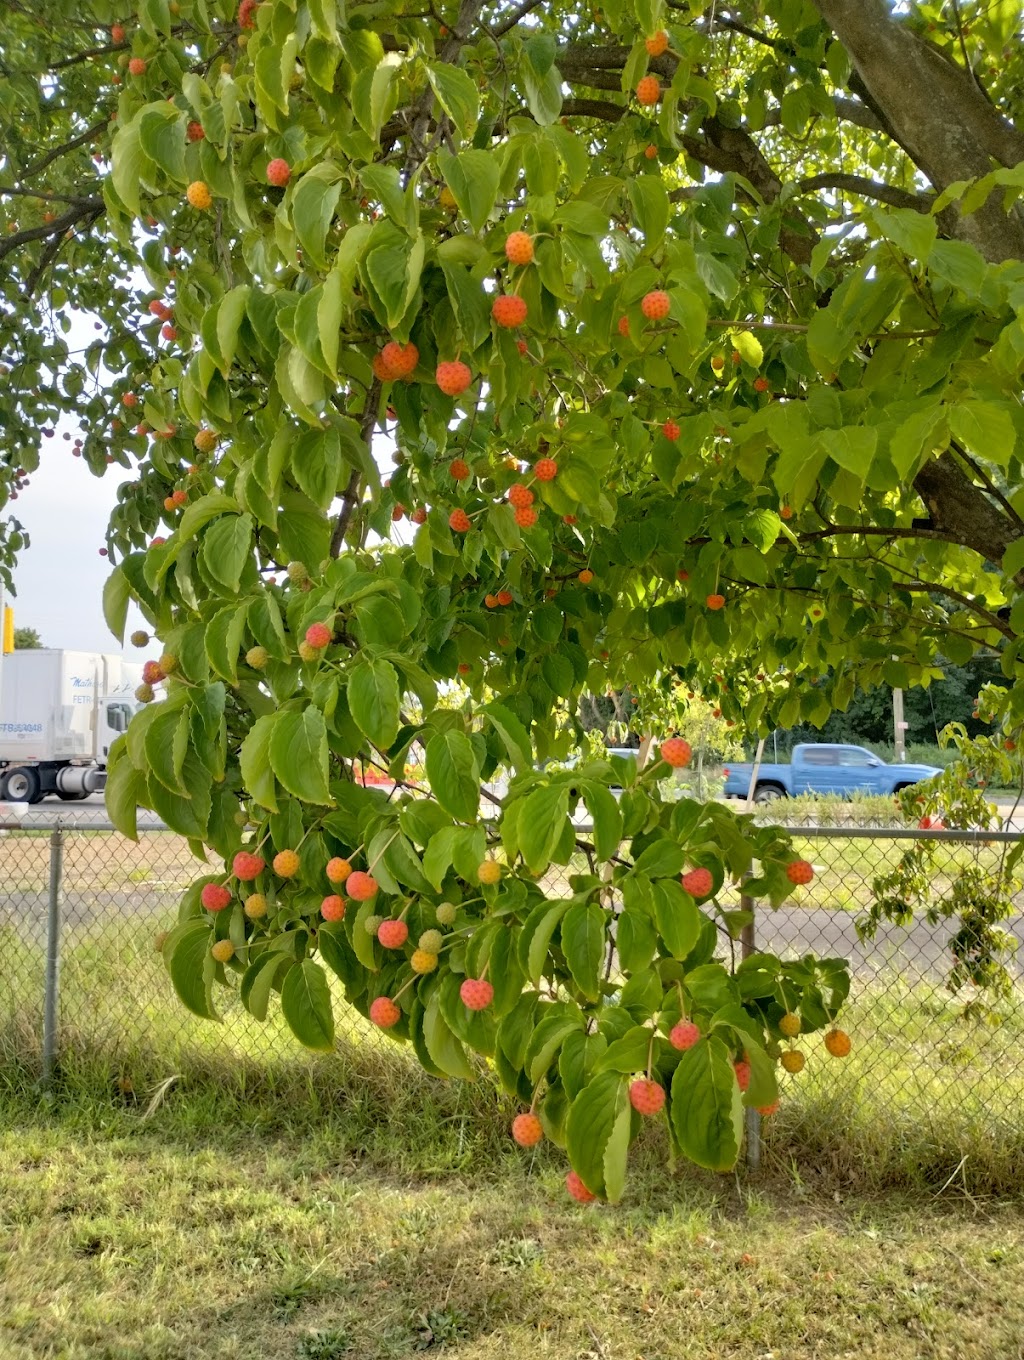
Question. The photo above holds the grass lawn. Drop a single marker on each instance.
(204, 1192)
(393, 1219)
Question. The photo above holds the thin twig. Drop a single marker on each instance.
(350, 496)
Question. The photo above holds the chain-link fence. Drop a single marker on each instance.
(80, 908)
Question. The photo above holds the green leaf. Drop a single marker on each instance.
(649, 198)
(224, 635)
(985, 427)
(473, 178)
(299, 755)
(124, 790)
(542, 821)
(394, 271)
(763, 1088)
(749, 348)
(661, 859)
(912, 231)
(590, 1127)
(535, 941)
(707, 1113)
(453, 774)
(543, 94)
(258, 982)
(128, 163)
(546, 1040)
(437, 859)
(442, 1045)
(616, 1155)
(226, 548)
(191, 968)
(254, 762)
(457, 95)
(306, 1005)
(384, 183)
(578, 1060)
(959, 264)
(162, 138)
(201, 512)
(606, 815)
(585, 947)
(116, 597)
(374, 700)
(513, 734)
(678, 916)
(629, 1054)
(166, 743)
(313, 206)
(852, 448)
(635, 940)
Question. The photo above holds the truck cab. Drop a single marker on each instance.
(60, 714)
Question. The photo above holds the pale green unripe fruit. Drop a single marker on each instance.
(297, 572)
(371, 924)
(446, 913)
(257, 658)
(431, 941)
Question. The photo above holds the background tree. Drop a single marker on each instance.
(698, 333)
(26, 639)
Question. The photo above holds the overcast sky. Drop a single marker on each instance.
(59, 578)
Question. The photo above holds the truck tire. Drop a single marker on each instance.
(71, 797)
(768, 793)
(21, 785)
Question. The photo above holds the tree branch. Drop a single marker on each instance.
(519, 13)
(594, 108)
(867, 188)
(350, 496)
(72, 145)
(55, 228)
(936, 113)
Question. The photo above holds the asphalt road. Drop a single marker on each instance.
(918, 953)
(88, 811)
(93, 809)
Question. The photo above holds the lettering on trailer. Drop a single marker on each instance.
(82, 682)
(20, 729)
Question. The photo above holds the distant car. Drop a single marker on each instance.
(819, 768)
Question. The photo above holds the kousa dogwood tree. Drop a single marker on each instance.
(696, 329)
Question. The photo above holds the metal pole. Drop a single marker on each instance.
(897, 722)
(751, 1118)
(53, 954)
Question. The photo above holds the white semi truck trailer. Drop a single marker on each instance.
(60, 713)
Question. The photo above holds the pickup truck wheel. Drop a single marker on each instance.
(21, 785)
(768, 793)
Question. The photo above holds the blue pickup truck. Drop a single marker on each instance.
(842, 770)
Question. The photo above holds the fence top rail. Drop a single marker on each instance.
(961, 837)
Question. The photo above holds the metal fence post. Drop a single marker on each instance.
(752, 1119)
(53, 924)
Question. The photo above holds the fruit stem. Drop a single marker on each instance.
(377, 858)
(405, 986)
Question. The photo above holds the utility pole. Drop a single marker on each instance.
(899, 726)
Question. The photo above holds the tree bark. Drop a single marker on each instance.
(937, 114)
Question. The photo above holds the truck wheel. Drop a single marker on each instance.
(21, 785)
(768, 793)
(72, 797)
